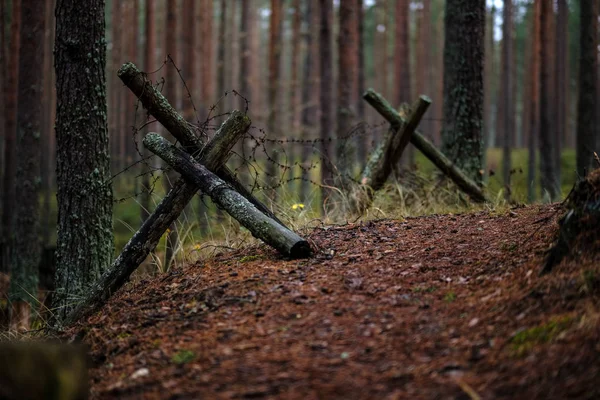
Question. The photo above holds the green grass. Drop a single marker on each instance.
(418, 194)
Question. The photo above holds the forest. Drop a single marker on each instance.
(299, 199)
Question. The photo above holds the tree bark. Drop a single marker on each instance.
(150, 46)
(275, 42)
(10, 134)
(25, 246)
(85, 237)
(262, 227)
(463, 85)
(347, 84)
(587, 128)
(549, 179)
(214, 155)
(507, 84)
(534, 121)
(445, 165)
(325, 100)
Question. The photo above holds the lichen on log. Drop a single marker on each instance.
(388, 153)
(214, 154)
(438, 158)
(261, 226)
(159, 107)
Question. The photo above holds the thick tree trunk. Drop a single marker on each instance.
(463, 85)
(214, 155)
(262, 227)
(25, 246)
(587, 129)
(445, 165)
(85, 237)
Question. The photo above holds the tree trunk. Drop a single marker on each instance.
(85, 238)
(463, 85)
(309, 95)
(189, 59)
(534, 123)
(168, 210)
(325, 101)
(149, 66)
(347, 83)
(549, 181)
(507, 89)
(275, 29)
(587, 129)
(47, 130)
(169, 175)
(402, 93)
(294, 124)
(10, 96)
(25, 246)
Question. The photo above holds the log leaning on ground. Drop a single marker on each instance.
(261, 226)
(158, 106)
(215, 154)
(438, 158)
(388, 153)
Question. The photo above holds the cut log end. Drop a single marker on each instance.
(300, 250)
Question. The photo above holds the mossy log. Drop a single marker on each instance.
(388, 153)
(43, 371)
(168, 210)
(158, 106)
(261, 226)
(438, 158)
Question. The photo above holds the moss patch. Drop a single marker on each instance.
(525, 340)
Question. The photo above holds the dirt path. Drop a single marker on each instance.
(431, 307)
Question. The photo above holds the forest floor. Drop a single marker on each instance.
(436, 307)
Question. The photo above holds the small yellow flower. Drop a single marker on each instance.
(298, 206)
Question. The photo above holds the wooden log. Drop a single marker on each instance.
(427, 148)
(159, 107)
(261, 226)
(168, 210)
(388, 153)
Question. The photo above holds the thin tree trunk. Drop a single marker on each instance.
(10, 95)
(547, 152)
(488, 76)
(507, 90)
(149, 66)
(347, 83)
(25, 246)
(275, 42)
(47, 127)
(587, 129)
(534, 122)
(310, 94)
(171, 95)
(325, 60)
(402, 78)
(189, 59)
